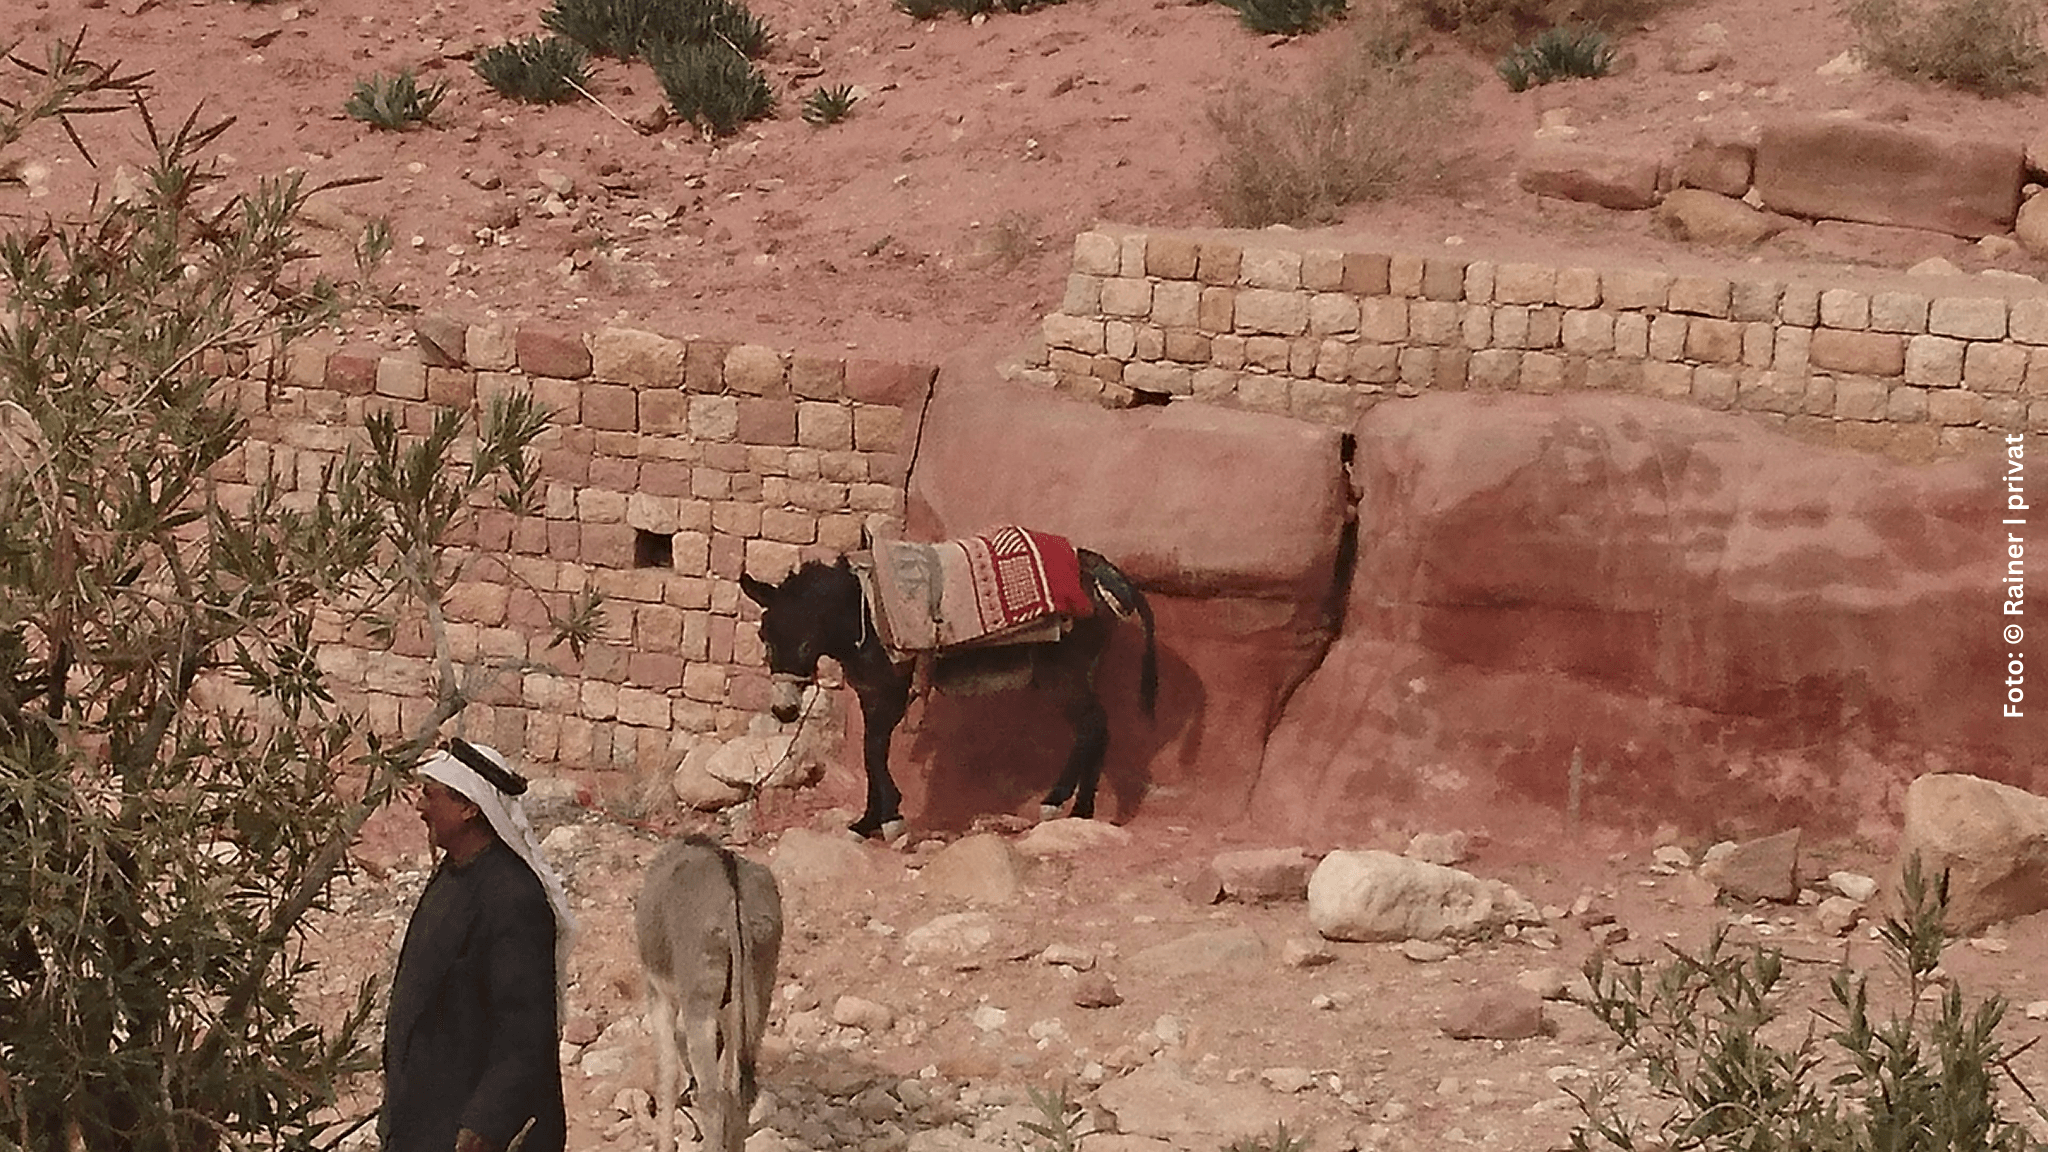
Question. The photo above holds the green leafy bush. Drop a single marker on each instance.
(1562, 53)
(394, 103)
(1286, 17)
(1991, 47)
(1728, 1073)
(712, 85)
(537, 70)
(830, 105)
(1370, 119)
(178, 783)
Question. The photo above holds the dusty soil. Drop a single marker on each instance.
(1351, 1051)
(938, 219)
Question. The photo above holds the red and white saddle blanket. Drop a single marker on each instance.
(1008, 585)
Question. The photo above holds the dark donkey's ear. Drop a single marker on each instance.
(757, 591)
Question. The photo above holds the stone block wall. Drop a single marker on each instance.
(671, 465)
(1912, 366)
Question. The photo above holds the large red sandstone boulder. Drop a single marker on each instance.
(1232, 523)
(1594, 176)
(1884, 174)
(1718, 625)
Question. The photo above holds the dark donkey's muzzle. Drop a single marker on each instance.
(786, 699)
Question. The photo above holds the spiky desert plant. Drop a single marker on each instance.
(619, 29)
(1561, 53)
(394, 103)
(631, 29)
(537, 70)
(712, 85)
(830, 105)
(1286, 17)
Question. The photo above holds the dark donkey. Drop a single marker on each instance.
(820, 610)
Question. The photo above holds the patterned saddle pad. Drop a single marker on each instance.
(1009, 585)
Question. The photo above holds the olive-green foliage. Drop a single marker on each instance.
(830, 105)
(178, 783)
(630, 29)
(538, 70)
(1286, 17)
(1562, 53)
(1369, 118)
(712, 86)
(1708, 1035)
(1991, 47)
(394, 103)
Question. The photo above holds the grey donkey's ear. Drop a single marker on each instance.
(757, 591)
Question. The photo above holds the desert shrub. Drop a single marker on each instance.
(538, 70)
(178, 784)
(712, 85)
(830, 105)
(394, 103)
(933, 9)
(1062, 1122)
(1286, 17)
(630, 29)
(1370, 119)
(1991, 47)
(1708, 1037)
(1561, 53)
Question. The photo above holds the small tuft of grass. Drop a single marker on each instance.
(1370, 119)
(1064, 1121)
(712, 85)
(553, 70)
(933, 9)
(830, 105)
(394, 103)
(1280, 1141)
(1286, 17)
(632, 29)
(1990, 47)
(1562, 53)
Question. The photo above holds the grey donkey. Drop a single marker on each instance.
(710, 929)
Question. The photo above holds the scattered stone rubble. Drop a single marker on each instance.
(1171, 1082)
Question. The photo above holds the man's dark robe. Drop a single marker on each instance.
(471, 1038)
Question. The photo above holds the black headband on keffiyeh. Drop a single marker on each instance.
(500, 777)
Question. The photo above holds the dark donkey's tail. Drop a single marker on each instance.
(1127, 599)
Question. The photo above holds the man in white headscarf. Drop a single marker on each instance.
(470, 1045)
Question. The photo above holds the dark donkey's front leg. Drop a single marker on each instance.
(884, 699)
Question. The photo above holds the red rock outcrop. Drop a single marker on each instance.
(1884, 174)
(1231, 520)
(1733, 629)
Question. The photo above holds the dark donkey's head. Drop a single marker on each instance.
(816, 611)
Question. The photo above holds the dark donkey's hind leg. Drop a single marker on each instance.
(1084, 764)
(883, 702)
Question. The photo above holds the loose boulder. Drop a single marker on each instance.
(1710, 218)
(1639, 612)
(1991, 838)
(1371, 896)
(1765, 869)
(1834, 169)
(1577, 172)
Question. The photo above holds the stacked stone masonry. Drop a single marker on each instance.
(736, 456)
(1915, 367)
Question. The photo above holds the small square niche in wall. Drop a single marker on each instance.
(653, 549)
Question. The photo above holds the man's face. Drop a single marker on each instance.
(444, 810)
